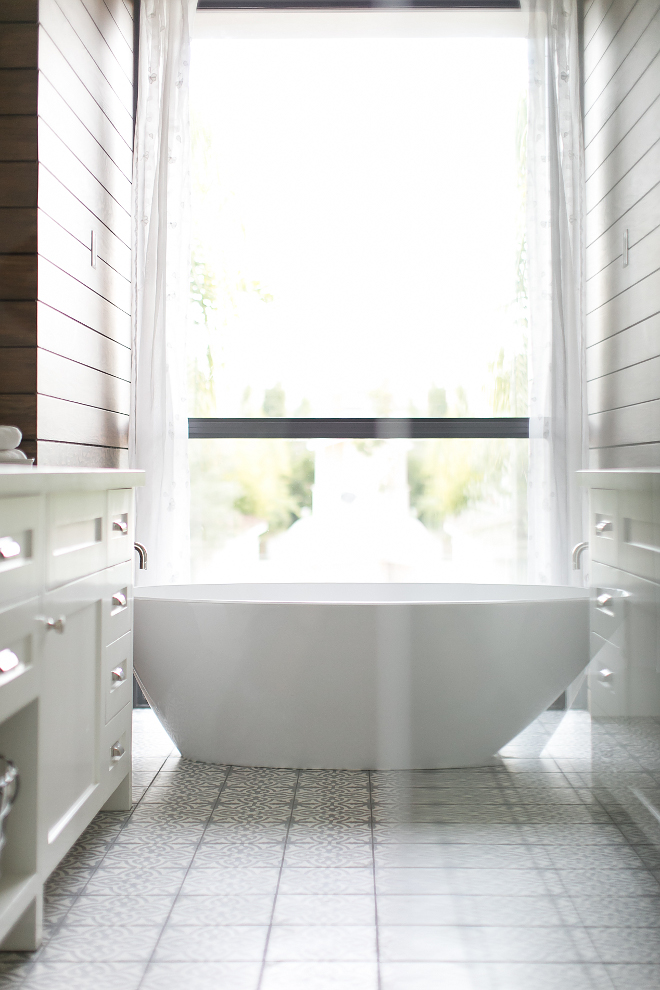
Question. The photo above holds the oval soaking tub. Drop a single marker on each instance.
(380, 676)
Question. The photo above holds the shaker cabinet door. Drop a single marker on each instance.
(69, 724)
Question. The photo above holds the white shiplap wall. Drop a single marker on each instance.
(622, 139)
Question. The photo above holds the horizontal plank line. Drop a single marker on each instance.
(620, 60)
(611, 42)
(83, 405)
(89, 288)
(599, 22)
(619, 446)
(91, 55)
(622, 215)
(99, 371)
(648, 150)
(632, 124)
(628, 405)
(108, 44)
(83, 244)
(93, 136)
(623, 98)
(625, 405)
(86, 325)
(366, 427)
(623, 366)
(623, 329)
(614, 260)
(628, 288)
(44, 123)
(100, 446)
(87, 90)
(85, 205)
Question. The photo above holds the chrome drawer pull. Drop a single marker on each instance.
(117, 751)
(56, 624)
(119, 599)
(8, 660)
(606, 676)
(119, 526)
(604, 600)
(604, 526)
(118, 676)
(9, 547)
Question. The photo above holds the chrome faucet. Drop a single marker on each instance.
(578, 550)
(142, 554)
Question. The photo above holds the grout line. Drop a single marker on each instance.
(185, 876)
(60, 924)
(279, 879)
(373, 862)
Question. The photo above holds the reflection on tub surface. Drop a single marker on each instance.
(355, 675)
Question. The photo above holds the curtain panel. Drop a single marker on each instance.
(556, 250)
(158, 432)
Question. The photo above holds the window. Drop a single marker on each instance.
(358, 378)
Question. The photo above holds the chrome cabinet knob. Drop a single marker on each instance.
(117, 751)
(9, 547)
(8, 661)
(604, 599)
(119, 526)
(118, 675)
(119, 599)
(606, 676)
(604, 526)
(57, 624)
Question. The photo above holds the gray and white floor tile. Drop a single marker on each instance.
(539, 872)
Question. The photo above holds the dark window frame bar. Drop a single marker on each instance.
(358, 428)
(357, 5)
(361, 428)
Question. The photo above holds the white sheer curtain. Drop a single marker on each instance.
(161, 261)
(555, 198)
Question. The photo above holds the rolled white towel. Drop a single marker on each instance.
(10, 437)
(13, 457)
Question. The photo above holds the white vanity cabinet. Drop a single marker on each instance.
(624, 543)
(66, 564)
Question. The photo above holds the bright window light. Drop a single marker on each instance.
(358, 185)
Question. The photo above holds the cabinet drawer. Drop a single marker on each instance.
(76, 531)
(120, 525)
(604, 526)
(115, 751)
(117, 603)
(118, 675)
(608, 679)
(609, 604)
(22, 527)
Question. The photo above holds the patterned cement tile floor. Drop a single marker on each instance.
(542, 872)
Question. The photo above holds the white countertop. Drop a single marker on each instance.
(18, 480)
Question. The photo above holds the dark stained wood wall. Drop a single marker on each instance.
(18, 217)
(622, 140)
(66, 340)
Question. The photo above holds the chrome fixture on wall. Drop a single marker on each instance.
(578, 550)
(142, 554)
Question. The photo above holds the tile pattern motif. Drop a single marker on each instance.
(541, 872)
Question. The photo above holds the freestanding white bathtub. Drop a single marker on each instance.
(355, 676)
